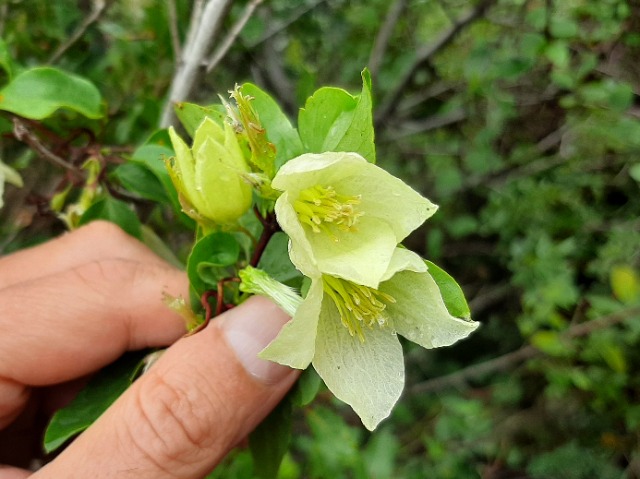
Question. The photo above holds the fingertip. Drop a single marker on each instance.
(248, 329)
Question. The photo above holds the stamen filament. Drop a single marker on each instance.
(320, 206)
(357, 304)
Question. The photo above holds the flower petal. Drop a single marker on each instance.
(288, 220)
(369, 375)
(312, 169)
(295, 345)
(404, 260)
(184, 165)
(389, 198)
(222, 193)
(360, 257)
(419, 313)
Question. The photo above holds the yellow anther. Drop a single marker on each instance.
(357, 304)
(320, 206)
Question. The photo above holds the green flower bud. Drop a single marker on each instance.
(209, 176)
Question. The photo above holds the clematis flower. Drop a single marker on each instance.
(345, 216)
(209, 176)
(349, 331)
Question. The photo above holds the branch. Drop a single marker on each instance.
(427, 52)
(233, 35)
(172, 14)
(23, 134)
(99, 8)
(384, 35)
(201, 33)
(283, 25)
(4, 9)
(430, 123)
(510, 360)
(530, 167)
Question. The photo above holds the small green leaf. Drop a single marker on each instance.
(634, 172)
(191, 115)
(6, 62)
(549, 342)
(334, 120)
(141, 181)
(159, 247)
(103, 389)
(152, 155)
(451, 292)
(279, 130)
(115, 211)
(39, 92)
(625, 283)
(275, 261)
(270, 440)
(306, 388)
(324, 118)
(209, 257)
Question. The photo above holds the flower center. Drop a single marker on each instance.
(320, 206)
(357, 304)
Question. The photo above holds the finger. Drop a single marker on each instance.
(95, 241)
(13, 473)
(204, 395)
(68, 324)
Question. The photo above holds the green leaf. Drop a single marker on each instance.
(141, 181)
(39, 92)
(209, 258)
(103, 389)
(334, 120)
(549, 342)
(152, 155)
(270, 440)
(159, 247)
(275, 261)
(115, 211)
(191, 115)
(451, 292)
(279, 130)
(625, 283)
(306, 388)
(6, 62)
(634, 172)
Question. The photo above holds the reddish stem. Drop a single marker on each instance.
(269, 227)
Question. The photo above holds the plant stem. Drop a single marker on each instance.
(269, 227)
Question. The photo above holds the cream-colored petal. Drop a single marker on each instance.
(388, 198)
(300, 249)
(419, 313)
(313, 169)
(404, 260)
(295, 345)
(369, 375)
(362, 256)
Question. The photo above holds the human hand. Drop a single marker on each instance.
(75, 304)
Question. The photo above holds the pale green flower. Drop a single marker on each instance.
(345, 216)
(209, 176)
(349, 332)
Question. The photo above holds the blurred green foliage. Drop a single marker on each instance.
(520, 118)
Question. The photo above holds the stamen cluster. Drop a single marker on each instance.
(357, 304)
(319, 205)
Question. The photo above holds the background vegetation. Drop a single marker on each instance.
(520, 118)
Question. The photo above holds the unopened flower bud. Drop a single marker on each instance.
(209, 176)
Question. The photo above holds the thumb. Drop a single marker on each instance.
(201, 398)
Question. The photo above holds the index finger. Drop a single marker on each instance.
(95, 241)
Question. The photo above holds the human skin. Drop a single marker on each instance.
(75, 304)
